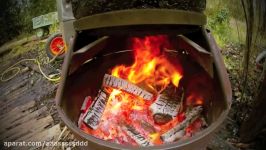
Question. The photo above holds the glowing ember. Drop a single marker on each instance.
(131, 90)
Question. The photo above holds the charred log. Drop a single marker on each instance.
(136, 136)
(166, 106)
(93, 115)
(118, 83)
(174, 133)
(163, 105)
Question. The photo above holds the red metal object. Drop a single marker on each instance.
(57, 46)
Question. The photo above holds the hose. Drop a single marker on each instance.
(17, 70)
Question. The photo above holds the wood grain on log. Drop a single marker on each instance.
(118, 83)
(174, 133)
(93, 116)
(136, 136)
(163, 105)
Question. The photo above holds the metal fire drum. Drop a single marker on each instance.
(86, 63)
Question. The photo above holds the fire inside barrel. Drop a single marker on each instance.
(134, 105)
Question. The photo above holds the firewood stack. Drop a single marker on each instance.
(160, 116)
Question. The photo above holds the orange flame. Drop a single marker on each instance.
(150, 69)
(151, 65)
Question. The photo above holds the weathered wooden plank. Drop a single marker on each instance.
(17, 93)
(45, 135)
(25, 116)
(17, 112)
(12, 99)
(15, 87)
(5, 86)
(33, 126)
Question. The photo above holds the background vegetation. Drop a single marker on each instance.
(16, 16)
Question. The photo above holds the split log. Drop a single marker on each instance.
(167, 105)
(136, 136)
(174, 133)
(93, 115)
(164, 105)
(118, 83)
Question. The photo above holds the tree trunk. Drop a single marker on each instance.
(249, 17)
(257, 119)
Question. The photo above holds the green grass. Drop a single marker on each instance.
(221, 21)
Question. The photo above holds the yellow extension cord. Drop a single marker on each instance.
(17, 69)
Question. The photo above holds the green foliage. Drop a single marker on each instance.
(16, 16)
(219, 23)
(54, 28)
(35, 8)
(9, 25)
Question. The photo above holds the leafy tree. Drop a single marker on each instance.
(16, 16)
(9, 25)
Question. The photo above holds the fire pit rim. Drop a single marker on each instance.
(131, 17)
(179, 144)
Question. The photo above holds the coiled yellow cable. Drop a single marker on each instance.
(17, 70)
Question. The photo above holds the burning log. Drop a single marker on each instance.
(118, 83)
(163, 105)
(174, 133)
(93, 116)
(165, 109)
(86, 104)
(136, 136)
(144, 126)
